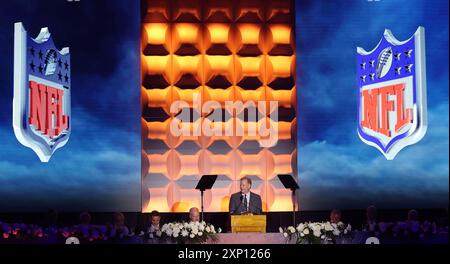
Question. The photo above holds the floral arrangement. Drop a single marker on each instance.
(192, 232)
(25, 232)
(317, 232)
(20, 231)
(89, 233)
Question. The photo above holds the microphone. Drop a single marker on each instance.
(240, 204)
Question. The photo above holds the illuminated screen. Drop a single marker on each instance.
(99, 167)
(337, 170)
(200, 52)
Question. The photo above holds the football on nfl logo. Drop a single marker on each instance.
(41, 104)
(392, 102)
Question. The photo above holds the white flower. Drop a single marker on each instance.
(336, 232)
(328, 227)
(194, 231)
(316, 233)
(306, 231)
(291, 229)
(200, 234)
(280, 230)
(302, 235)
(184, 233)
(219, 230)
(201, 227)
(207, 229)
(169, 232)
(158, 233)
(322, 237)
(300, 227)
(175, 235)
(285, 234)
(191, 235)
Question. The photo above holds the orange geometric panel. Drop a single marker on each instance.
(197, 56)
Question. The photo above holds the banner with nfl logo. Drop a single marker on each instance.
(41, 106)
(392, 102)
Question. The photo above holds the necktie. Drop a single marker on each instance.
(244, 196)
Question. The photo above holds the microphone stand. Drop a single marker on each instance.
(240, 204)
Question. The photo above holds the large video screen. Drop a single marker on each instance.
(336, 169)
(99, 167)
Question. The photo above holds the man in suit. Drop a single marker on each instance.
(245, 201)
(194, 214)
(152, 227)
(155, 222)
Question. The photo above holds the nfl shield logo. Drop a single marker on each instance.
(41, 106)
(392, 103)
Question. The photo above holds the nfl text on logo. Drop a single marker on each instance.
(392, 103)
(41, 105)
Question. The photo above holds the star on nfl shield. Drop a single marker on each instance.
(392, 103)
(41, 105)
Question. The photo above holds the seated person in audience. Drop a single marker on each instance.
(371, 218)
(413, 221)
(245, 201)
(85, 224)
(154, 224)
(194, 214)
(413, 216)
(335, 216)
(118, 229)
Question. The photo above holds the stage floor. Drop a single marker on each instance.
(252, 238)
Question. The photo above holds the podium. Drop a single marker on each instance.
(248, 223)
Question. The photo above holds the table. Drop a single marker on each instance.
(252, 238)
